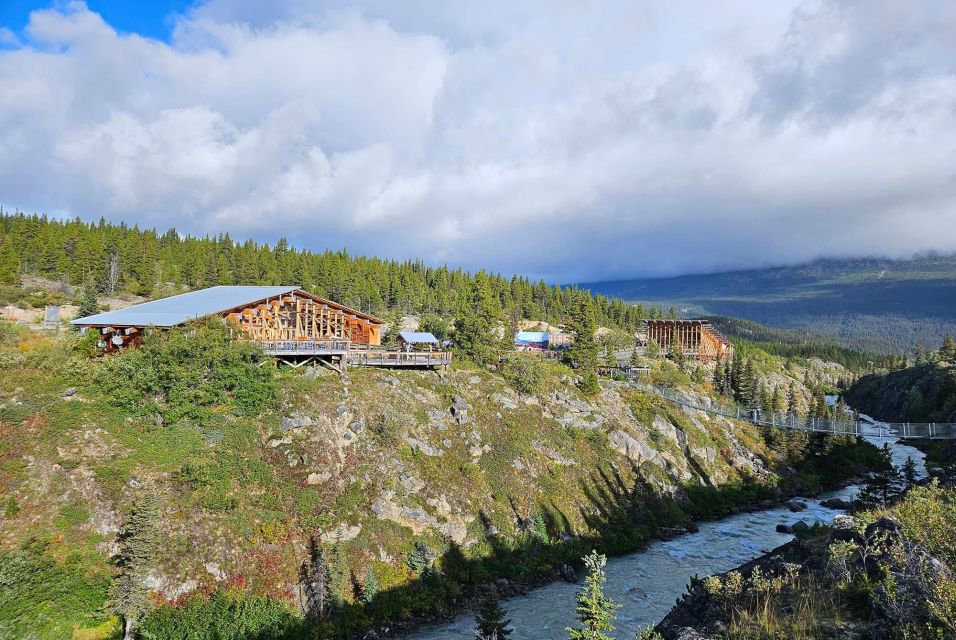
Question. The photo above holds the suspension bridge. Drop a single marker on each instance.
(832, 426)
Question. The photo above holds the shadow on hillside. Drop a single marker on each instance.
(621, 506)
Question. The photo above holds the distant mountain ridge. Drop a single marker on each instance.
(875, 304)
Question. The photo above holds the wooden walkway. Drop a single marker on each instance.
(376, 358)
(894, 430)
(299, 352)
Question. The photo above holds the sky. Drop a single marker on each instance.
(572, 140)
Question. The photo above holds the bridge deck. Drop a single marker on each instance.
(902, 430)
(375, 358)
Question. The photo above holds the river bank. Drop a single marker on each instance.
(646, 583)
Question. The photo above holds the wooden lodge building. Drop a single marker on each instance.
(294, 326)
(698, 339)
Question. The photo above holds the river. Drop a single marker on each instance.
(648, 582)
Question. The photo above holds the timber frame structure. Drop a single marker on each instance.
(302, 317)
(698, 339)
(289, 324)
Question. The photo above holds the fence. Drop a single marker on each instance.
(896, 430)
(399, 358)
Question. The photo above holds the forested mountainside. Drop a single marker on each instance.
(256, 502)
(805, 344)
(118, 258)
(888, 306)
(923, 393)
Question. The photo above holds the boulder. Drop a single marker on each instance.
(551, 454)
(342, 533)
(568, 574)
(318, 478)
(504, 401)
(800, 526)
(423, 447)
(796, 506)
(784, 528)
(837, 503)
(295, 421)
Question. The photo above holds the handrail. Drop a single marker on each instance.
(896, 430)
(400, 358)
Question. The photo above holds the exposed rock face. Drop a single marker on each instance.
(422, 447)
(636, 450)
(294, 422)
(417, 519)
(553, 455)
(342, 533)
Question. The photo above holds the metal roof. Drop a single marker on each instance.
(532, 336)
(417, 337)
(175, 310)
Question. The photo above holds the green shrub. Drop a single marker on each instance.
(41, 598)
(526, 374)
(228, 615)
(189, 371)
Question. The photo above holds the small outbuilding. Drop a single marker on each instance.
(533, 340)
(418, 341)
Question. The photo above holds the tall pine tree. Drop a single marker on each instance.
(490, 622)
(129, 593)
(596, 611)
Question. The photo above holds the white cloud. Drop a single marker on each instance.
(571, 140)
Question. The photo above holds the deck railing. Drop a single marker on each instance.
(903, 430)
(304, 347)
(399, 358)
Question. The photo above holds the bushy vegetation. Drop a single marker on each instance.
(45, 597)
(190, 372)
(225, 615)
(888, 570)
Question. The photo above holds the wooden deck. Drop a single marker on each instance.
(376, 358)
(348, 353)
(294, 348)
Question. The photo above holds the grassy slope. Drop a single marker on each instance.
(870, 304)
(241, 498)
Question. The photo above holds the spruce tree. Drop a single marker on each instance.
(583, 352)
(370, 588)
(129, 593)
(89, 305)
(338, 576)
(677, 352)
(477, 322)
(881, 486)
(315, 582)
(946, 352)
(596, 612)
(780, 401)
(490, 622)
(909, 472)
(718, 378)
(9, 262)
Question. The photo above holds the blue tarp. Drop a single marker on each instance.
(417, 337)
(532, 337)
